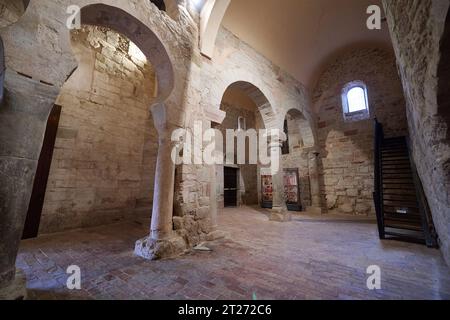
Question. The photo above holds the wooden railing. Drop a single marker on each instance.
(429, 235)
(378, 174)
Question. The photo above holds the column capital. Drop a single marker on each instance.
(313, 152)
(276, 144)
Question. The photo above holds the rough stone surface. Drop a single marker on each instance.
(417, 32)
(346, 148)
(23, 116)
(152, 249)
(32, 87)
(190, 87)
(10, 12)
(17, 289)
(104, 159)
(237, 105)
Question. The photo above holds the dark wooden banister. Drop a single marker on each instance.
(430, 235)
(378, 175)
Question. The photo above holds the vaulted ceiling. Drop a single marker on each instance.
(301, 36)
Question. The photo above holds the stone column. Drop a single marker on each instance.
(213, 197)
(279, 211)
(23, 119)
(162, 241)
(316, 206)
(216, 233)
(162, 213)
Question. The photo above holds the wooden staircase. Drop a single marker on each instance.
(401, 206)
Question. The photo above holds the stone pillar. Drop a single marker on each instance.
(162, 241)
(23, 119)
(215, 234)
(213, 198)
(279, 211)
(316, 206)
(162, 213)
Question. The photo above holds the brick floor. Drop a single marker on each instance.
(309, 258)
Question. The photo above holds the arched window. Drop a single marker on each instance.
(242, 125)
(355, 102)
(285, 146)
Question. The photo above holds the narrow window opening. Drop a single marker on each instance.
(285, 146)
(355, 102)
(242, 125)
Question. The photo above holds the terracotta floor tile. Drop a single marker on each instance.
(308, 258)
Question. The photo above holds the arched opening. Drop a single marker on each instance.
(211, 17)
(355, 101)
(150, 45)
(11, 11)
(237, 182)
(296, 160)
(299, 131)
(252, 175)
(104, 162)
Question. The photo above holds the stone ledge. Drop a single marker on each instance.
(152, 249)
(216, 235)
(17, 290)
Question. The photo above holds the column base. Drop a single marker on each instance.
(17, 289)
(280, 215)
(216, 235)
(151, 249)
(314, 210)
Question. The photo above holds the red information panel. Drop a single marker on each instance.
(267, 191)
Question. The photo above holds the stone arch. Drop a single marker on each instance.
(303, 126)
(152, 47)
(211, 18)
(12, 11)
(262, 97)
(259, 98)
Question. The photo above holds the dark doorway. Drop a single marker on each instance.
(230, 187)
(42, 172)
(160, 4)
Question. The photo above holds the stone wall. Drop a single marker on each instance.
(104, 158)
(190, 88)
(298, 156)
(235, 106)
(234, 61)
(300, 160)
(417, 29)
(346, 148)
(10, 11)
(40, 58)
